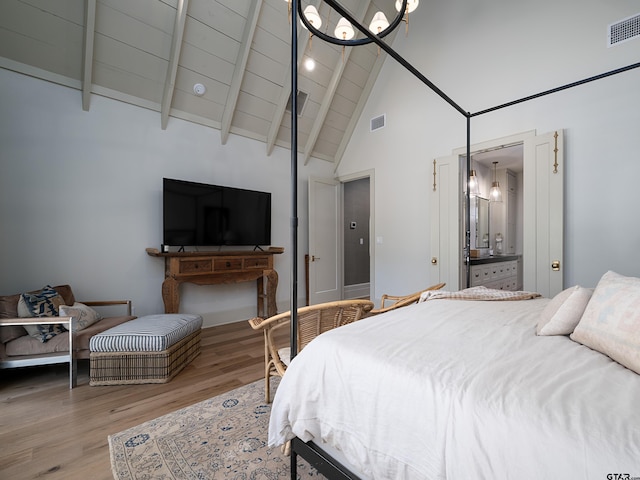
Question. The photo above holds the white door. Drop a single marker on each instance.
(543, 214)
(446, 214)
(325, 244)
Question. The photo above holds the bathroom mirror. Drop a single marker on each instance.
(480, 222)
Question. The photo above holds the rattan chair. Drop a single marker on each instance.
(402, 301)
(312, 321)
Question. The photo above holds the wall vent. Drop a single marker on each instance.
(378, 122)
(302, 101)
(623, 30)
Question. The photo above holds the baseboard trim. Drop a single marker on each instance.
(359, 290)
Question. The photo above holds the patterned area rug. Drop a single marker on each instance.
(224, 437)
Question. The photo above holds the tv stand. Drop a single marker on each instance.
(212, 268)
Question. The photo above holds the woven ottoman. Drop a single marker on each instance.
(150, 349)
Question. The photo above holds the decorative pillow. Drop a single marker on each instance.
(611, 321)
(44, 303)
(563, 312)
(83, 315)
(9, 309)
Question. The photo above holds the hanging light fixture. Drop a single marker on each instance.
(312, 16)
(495, 194)
(378, 23)
(474, 188)
(344, 31)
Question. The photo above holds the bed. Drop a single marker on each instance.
(467, 389)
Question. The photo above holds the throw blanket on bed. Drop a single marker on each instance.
(478, 293)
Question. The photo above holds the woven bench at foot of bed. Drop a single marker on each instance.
(147, 365)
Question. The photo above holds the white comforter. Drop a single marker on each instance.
(462, 390)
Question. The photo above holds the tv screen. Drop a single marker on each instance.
(198, 214)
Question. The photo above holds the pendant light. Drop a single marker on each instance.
(474, 188)
(495, 194)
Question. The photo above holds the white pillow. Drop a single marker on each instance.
(83, 315)
(563, 312)
(611, 321)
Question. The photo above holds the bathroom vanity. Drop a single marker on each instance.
(499, 271)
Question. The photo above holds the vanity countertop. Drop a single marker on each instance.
(493, 259)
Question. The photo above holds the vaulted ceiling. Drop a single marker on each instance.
(151, 53)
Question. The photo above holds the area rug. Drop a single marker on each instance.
(224, 437)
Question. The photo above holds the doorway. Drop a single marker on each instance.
(341, 251)
(542, 212)
(356, 238)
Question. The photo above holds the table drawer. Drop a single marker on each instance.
(202, 265)
(256, 262)
(225, 264)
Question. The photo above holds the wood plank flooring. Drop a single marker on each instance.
(49, 431)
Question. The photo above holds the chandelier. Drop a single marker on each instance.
(344, 32)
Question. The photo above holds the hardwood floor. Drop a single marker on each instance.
(49, 431)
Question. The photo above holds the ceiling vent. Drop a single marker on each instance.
(302, 101)
(623, 30)
(378, 122)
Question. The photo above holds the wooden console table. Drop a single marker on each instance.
(211, 268)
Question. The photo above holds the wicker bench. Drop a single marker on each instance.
(150, 349)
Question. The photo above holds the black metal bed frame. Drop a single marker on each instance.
(312, 453)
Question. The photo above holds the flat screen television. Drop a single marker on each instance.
(199, 214)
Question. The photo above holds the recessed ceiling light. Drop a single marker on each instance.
(309, 64)
(199, 89)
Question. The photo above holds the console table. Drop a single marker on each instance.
(211, 268)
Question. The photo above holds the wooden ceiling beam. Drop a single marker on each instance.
(174, 57)
(239, 70)
(276, 122)
(87, 60)
(331, 91)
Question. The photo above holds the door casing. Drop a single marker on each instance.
(328, 220)
(543, 213)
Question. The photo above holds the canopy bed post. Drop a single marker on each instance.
(294, 203)
(294, 180)
(467, 217)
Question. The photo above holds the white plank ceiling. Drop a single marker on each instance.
(150, 53)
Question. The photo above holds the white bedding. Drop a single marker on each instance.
(459, 390)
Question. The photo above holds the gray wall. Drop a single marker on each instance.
(356, 240)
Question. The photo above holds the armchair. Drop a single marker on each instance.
(312, 321)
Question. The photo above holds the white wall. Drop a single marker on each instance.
(489, 52)
(81, 197)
